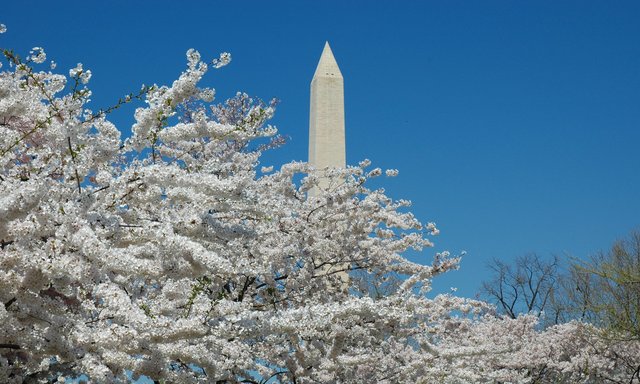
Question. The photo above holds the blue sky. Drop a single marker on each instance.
(515, 125)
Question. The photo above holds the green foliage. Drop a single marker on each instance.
(615, 297)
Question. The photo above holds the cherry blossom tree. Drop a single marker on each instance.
(174, 254)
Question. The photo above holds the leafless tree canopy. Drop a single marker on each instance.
(529, 284)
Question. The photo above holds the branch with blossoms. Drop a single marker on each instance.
(58, 109)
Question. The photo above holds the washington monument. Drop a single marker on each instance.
(326, 134)
(326, 117)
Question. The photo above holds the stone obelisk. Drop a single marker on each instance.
(326, 120)
(326, 138)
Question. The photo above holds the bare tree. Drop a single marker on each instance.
(527, 285)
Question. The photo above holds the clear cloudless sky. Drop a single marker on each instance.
(515, 125)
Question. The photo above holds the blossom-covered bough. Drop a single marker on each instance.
(173, 255)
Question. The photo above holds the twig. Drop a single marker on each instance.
(8, 303)
(73, 158)
(100, 189)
